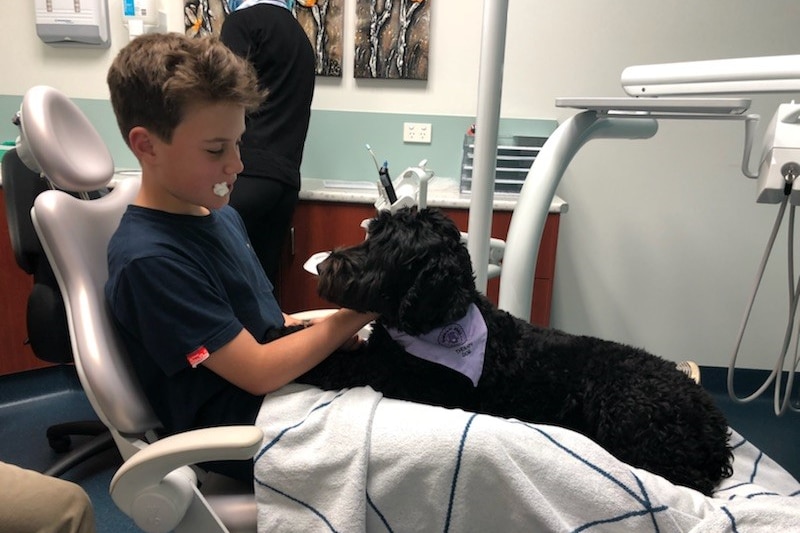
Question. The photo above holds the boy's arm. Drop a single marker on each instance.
(263, 368)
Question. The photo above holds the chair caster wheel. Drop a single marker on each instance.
(60, 444)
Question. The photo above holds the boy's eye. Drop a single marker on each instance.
(221, 150)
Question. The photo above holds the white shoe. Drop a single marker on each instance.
(691, 369)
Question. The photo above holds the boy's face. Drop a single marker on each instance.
(198, 168)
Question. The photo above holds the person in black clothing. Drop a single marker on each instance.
(267, 34)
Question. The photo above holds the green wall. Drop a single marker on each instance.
(336, 144)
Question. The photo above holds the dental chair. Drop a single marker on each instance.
(157, 486)
(46, 322)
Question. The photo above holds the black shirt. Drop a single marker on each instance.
(275, 43)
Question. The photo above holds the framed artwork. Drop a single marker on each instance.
(322, 21)
(392, 39)
(204, 17)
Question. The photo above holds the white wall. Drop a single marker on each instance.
(662, 238)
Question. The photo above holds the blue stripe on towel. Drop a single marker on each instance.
(644, 500)
(455, 474)
(732, 487)
(380, 514)
(299, 502)
(738, 444)
(764, 493)
(755, 466)
(274, 441)
(731, 518)
(620, 518)
(284, 431)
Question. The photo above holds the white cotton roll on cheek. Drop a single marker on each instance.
(221, 188)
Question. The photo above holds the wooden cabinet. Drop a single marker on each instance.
(316, 227)
(15, 286)
(319, 226)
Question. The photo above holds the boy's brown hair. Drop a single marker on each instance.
(155, 77)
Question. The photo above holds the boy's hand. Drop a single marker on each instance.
(289, 320)
(354, 343)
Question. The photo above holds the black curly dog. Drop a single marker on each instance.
(416, 273)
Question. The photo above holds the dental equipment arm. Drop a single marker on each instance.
(778, 168)
(744, 75)
(527, 223)
(747, 75)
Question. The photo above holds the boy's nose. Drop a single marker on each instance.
(234, 165)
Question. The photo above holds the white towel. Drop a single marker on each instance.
(352, 461)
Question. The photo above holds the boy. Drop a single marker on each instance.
(188, 295)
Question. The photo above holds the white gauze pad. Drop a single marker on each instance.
(221, 188)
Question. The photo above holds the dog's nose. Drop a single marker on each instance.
(312, 262)
(323, 266)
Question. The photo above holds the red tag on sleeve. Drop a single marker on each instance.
(197, 356)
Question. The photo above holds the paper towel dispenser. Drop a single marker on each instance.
(73, 23)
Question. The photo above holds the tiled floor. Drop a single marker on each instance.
(32, 401)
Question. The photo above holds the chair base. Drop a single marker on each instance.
(59, 439)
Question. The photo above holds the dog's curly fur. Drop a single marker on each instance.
(416, 273)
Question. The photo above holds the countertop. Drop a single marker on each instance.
(442, 192)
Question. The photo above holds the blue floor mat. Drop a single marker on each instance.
(30, 402)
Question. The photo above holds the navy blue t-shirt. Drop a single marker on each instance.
(179, 286)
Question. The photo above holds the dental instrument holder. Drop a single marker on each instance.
(410, 189)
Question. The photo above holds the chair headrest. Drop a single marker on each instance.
(58, 140)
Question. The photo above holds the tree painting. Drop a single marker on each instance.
(323, 22)
(203, 17)
(392, 39)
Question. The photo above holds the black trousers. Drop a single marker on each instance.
(266, 206)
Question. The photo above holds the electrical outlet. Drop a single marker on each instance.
(417, 132)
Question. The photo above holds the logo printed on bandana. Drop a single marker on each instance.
(460, 345)
(452, 336)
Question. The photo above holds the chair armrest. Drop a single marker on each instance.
(155, 489)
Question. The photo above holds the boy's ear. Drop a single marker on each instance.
(141, 143)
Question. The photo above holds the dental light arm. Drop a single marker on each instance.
(530, 214)
(779, 162)
(749, 75)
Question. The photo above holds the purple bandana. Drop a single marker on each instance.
(460, 345)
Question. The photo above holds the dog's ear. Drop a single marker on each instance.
(444, 285)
